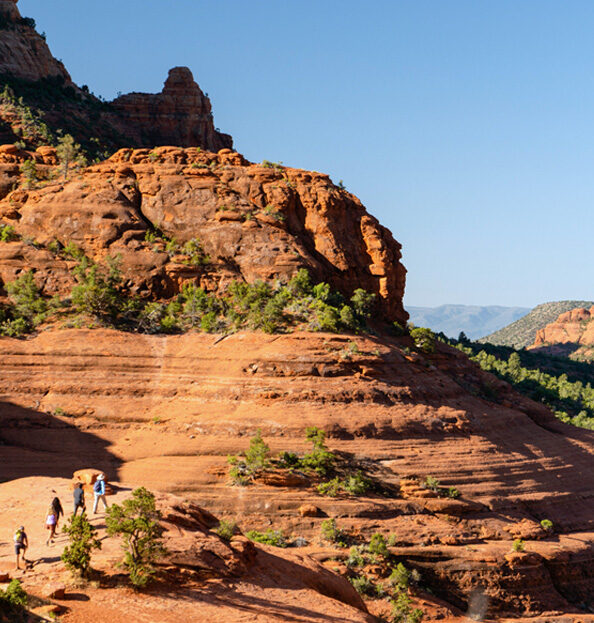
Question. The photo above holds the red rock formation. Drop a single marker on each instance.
(571, 334)
(24, 53)
(179, 115)
(254, 222)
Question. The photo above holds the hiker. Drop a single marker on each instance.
(58, 510)
(51, 521)
(79, 499)
(99, 491)
(21, 543)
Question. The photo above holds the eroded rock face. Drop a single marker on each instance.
(23, 52)
(571, 334)
(179, 115)
(254, 222)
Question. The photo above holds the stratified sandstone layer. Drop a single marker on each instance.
(571, 334)
(253, 221)
(165, 411)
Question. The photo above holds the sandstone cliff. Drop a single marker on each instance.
(253, 222)
(572, 334)
(179, 115)
(23, 52)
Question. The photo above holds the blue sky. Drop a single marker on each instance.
(466, 127)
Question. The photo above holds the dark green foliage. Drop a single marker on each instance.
(82, 537)
(400, 577)
(13, 599)
(363, 585)
(353, 484)
(320, 459)
(7, 233)
(27, 307)
(330, 532)
(518, 545)
(571, 401)
(69, 153)
(424, 339)
(97, 291)
(226, 529)
(242, 472)
(402, 610)
(378, 546)
(137, 522)
(29, 171)
(270, 537)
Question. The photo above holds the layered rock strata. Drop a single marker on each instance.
(571, 334)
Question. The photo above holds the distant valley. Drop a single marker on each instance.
(475, 320)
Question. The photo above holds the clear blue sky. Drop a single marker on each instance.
(466, 127)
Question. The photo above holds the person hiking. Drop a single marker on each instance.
(58, 510)
(51, 521)
(21, 543)
(99, 491)
(79, 499)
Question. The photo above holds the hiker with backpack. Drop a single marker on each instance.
(21, 543)
(79, 499)
(99, 491)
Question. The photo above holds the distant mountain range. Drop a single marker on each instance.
(522, 332)
(475, 320)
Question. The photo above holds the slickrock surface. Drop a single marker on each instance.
(571, 334)
(206, 578)
(254, 222)
(166, 411)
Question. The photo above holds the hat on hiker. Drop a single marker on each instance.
(100, 477)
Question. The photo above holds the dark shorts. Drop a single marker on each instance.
(18, 548)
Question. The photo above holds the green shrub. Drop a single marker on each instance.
(453, 493)
(97, 291)
(377, 545)
(82, 537)
(355, 558)
(73, 251)
(518, 545)
(402, 610)
(356, 484)
(289, 460)
(226, 529)
(424, 339)
(270, 537)
(320, 459)
(547, 524)
(331, 488)
(7, 233)
(242, 472)
(400, 577)
(14, 597)
(363, 585)
(137, 522)
(330, 532)
(432, 483)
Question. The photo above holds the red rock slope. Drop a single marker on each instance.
(571, 334)
(166, 411)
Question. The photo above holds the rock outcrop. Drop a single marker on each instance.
(179, 115)
(253, 221)
(571, 334)
(24, 53)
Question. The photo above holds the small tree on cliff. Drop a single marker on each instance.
(68, 153)
(137, 522)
